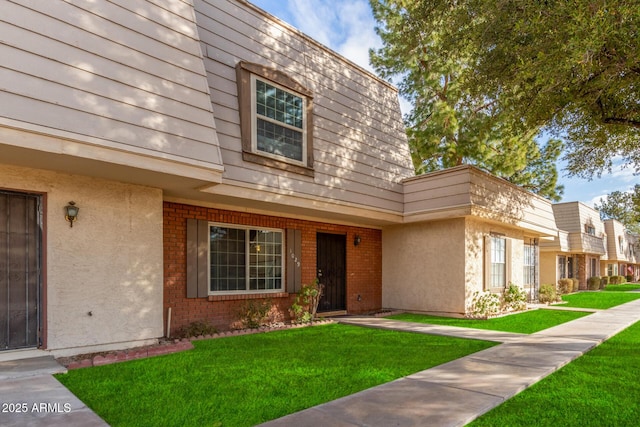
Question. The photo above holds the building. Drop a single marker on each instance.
(218, 158)
(622, 251)
(464, 231)
(579, 248)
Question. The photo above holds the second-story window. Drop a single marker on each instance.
(276, 119)
(279, 119)
(590, 229)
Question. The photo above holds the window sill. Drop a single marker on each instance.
(247, 296)
(248, 156)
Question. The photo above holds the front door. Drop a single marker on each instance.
(19, 270)
(331, 262)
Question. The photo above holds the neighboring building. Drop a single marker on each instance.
(464, 231)
(623, 257)
(579, 247)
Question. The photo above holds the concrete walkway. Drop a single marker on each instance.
(31, 397)
(455, 393)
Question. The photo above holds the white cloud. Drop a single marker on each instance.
(346, 26)
(596, 199)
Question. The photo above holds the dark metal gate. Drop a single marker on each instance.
(331, 263)
(20, 237)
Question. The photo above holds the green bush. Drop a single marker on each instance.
(576, 284)
(547, 294)
(604, 281)
(565, 286)
(593, 283)
(303, 310)
(253, 313)
(514, 298)
(617, 280)
(629, 277)
(485, 304)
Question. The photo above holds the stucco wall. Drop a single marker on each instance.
(548, 268)
(109, 263)
(423, 266)
(475, 257)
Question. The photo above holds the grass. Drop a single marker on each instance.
(246, 380)
(601, 300)
(601, 388)
(527, 322)
(622, 288)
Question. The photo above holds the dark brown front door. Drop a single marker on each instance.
(331, 262)
(19, 270)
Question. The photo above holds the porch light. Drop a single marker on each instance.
(356, 240)
(71, 213)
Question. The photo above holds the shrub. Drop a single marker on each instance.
(485, 304)
(617, 280)
(195, 329)
(604, 281)
(565, 286)
(514, 298)
(303, 310)
(629, 277)
(594, 283)
(253, 313)
(576, 285)
(547, 294)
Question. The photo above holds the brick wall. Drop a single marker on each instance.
(363, 277)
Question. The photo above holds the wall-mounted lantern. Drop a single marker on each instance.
(71, 213)
(356, 240)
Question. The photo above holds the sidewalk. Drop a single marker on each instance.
(31, 397)
(455, 393)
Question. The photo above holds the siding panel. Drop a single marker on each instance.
(360, 149)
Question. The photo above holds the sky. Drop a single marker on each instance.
(348, 27)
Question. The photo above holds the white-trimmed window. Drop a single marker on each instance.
(244, 259)
(279, 121)
(276, 119)
(498, 262)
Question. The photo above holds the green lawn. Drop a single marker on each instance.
(622, 288)
(600, 300)
(246, 380)
(600, 388)
(527, 322)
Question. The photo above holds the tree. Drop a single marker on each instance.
(623, 206)
(570, 68)
(448, 126)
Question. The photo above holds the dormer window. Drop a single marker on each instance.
(590, 229)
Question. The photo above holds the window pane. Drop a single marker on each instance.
(278, 104)
(227, 252)
(498, 262)
(279, 140)
(266, 259)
